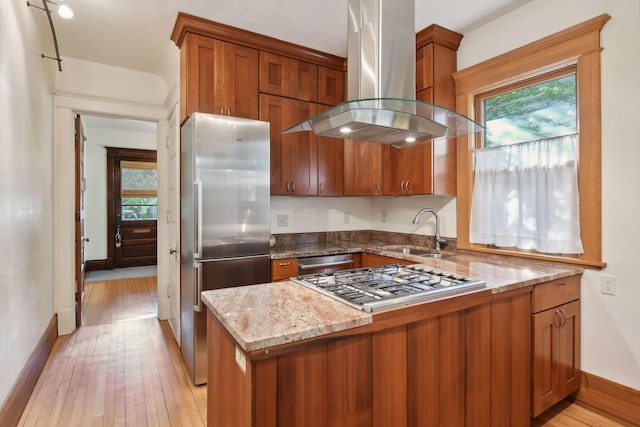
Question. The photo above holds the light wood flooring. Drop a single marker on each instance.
(123, 368)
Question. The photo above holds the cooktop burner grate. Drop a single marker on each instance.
(374, 288)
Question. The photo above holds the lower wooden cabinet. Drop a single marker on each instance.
(373, 260)
(556, 342)
(463, 364)
(283, 269)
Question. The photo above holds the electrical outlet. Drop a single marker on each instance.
(608, 285)
(283, 220)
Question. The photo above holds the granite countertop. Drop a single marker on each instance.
(267, 315)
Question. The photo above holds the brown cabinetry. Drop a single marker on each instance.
(407, 170)
(362, 168)
(283, 76)
(374, 260)
(556, 342)
(294, 160)
(330, 164)
(218, 77)
(438, 364)
(283, 269)
(436, 62)
(331, 86)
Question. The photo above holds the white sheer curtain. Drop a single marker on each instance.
(526, 196)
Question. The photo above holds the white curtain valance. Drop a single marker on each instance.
(526, 196)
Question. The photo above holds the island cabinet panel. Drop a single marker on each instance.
(454, 367)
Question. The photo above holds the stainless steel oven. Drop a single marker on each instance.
(324, 264)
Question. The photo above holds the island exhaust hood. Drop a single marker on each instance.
(381, 83)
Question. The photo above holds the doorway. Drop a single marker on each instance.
(132, 207)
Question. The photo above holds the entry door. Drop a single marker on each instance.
(79, 219)
(132, 205)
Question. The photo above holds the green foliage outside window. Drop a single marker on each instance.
(543, 110)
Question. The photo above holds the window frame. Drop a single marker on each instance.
(577, 46)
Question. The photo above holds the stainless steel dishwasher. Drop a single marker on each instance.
(324, 264)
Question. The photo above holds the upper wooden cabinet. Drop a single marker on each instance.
(294, 162)
(218, 77)
(362, 168)
(331, 86)
(283, 76)
(407, 170)
(330, 164)
(436, 62)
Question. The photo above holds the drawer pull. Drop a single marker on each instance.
(283, 264)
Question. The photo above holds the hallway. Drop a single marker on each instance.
(122, 367)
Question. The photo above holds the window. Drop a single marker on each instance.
(562, 60)
(139, 190)
(540, 108)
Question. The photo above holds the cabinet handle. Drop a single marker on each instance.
(378, 188)
(293, 187)
(287, 186)
(222, 111)
(557, 319)
(406, 186)
(228, 111)
(402, 187)
(283, 264)
(563, 315)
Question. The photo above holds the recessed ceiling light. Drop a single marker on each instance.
(410, 139)
(345, 130)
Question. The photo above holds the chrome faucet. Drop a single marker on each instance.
(438, 238)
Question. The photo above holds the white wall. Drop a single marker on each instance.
(610, 338)
(95, 199)
(317, 214)
(26, 208)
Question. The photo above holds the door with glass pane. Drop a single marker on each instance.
(132, 207)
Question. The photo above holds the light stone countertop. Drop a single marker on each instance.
(267, 315)
(263, 316)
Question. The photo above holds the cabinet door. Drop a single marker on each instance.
(303, 83)
(274, 78)
(241, 81)
(330, 164)
(556, 355)
(300, 150)
(272, 110)
(394, 170)
(424, 67)
(202, 75)
(418, 166)
(294, 162)
(362, 168)
(330, 86)
(288, 77)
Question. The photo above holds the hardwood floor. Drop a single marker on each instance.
(122, 367)
(567, 414)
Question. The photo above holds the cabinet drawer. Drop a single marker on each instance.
(282, 269)
(555, 293)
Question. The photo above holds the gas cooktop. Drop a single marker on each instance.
(374, 288)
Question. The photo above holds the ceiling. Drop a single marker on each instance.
(135, 33)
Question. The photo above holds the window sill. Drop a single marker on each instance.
(586, 263)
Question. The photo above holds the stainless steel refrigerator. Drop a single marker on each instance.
(224, 219)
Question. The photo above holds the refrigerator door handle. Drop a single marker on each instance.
(197, 198)
(197, 306)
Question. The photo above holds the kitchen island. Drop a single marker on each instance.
(284, 355)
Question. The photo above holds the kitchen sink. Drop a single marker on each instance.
(412, 250)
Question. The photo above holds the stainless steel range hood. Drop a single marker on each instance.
(381, 83)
